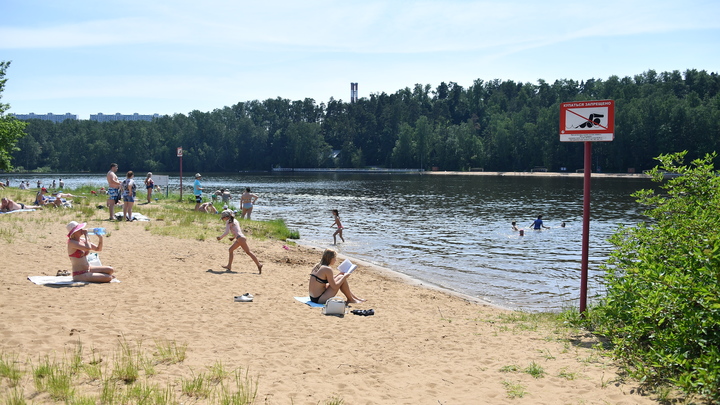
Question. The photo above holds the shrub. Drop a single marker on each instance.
(662, 308)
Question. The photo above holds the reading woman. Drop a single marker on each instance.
(323, 285)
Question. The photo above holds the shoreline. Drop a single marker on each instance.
(410, 280)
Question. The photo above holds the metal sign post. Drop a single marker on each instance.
(179, 154)
(587, 121)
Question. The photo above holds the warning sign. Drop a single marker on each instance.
(587, 121)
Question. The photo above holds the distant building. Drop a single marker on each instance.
(100, 117)
(45, 117)
(353, 92)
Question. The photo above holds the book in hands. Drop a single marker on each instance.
(347, 267)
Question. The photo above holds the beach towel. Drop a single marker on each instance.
(136, 216)
(23, 210)
(59, 280)
(92, 258)
(306, 300)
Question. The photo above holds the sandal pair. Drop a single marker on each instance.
(363, 312)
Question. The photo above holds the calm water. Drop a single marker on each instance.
(452, 231)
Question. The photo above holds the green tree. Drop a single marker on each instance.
(11, 129)
(662, 308)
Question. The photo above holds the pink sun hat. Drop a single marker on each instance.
(73, 227)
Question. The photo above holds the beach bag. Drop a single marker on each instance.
(334, 306)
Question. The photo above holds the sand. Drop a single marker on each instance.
(422, 346)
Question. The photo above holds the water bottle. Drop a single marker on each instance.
(99, 231)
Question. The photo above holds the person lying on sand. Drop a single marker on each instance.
(323, 285)
(78, 247)
(10, 205)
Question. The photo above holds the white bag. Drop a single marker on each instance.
(334, 306)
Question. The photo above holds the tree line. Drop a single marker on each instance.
(494, 125)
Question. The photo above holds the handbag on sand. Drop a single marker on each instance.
(334, 306)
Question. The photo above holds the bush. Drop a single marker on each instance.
(662, 309)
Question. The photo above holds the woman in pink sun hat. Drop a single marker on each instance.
(79, 246)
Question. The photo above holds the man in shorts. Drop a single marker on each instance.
(113, 189)
(197, 190)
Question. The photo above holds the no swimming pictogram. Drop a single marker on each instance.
(587, 121)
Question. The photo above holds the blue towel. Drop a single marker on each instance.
(306, 300)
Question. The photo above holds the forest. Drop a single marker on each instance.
(491, 125)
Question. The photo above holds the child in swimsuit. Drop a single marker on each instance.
(336, 216)
(232, 225)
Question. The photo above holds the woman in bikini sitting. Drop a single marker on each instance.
(79, 247)
(323, 285)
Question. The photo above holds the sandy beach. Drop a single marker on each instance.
(422, 346)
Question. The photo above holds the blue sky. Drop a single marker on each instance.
(165, 57)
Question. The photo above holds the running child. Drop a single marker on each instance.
(232, 225)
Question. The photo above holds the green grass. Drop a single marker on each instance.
(128, 380)
(169, 217)
(9, 369)
(535, 370)
(170, 352)
(514, 390)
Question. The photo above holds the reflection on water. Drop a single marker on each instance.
(453, 231)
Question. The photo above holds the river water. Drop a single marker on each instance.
(451, 231)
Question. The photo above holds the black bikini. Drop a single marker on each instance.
(319, 280)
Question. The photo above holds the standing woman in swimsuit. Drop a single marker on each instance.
(232, 225)
(247, 200)
(79, 247)
(149, 185)
(128, 193)
(323, 285)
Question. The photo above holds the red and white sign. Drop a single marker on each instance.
(179, 152)
(587, 121)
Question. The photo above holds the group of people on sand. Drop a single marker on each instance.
(41, 201)
(247, 199)
(323, 284)
(125, 192)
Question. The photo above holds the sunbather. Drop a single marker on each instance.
(79, 246)
(10, 205)
(323, 285)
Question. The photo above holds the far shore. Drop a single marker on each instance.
(389, 171)
(542, 174)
